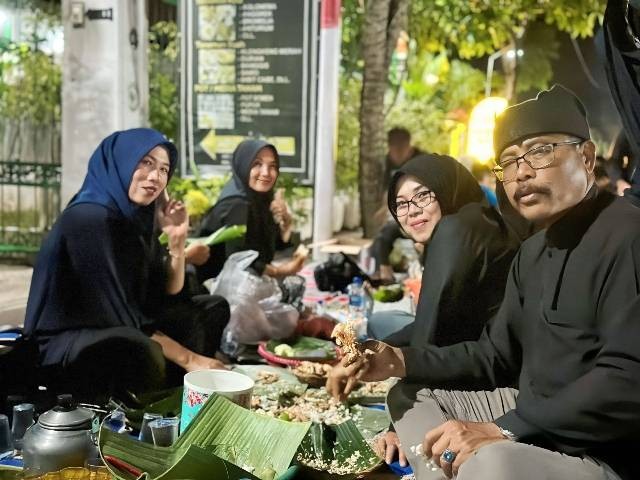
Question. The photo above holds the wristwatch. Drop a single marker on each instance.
(508, 434)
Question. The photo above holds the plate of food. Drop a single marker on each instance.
(271, 381)
(313, 374)
(302, 348)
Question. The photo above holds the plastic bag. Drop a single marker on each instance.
(257, 311)
(235, 283)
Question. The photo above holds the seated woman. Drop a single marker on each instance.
(247, 199)
(468, 251)
(88, 307)
(452, 264)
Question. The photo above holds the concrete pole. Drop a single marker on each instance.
(104, 79)
(327, 126)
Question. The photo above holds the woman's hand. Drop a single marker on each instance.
(182, 356)
(281, 215)
(173, 220)
(291, 267)
(197, 254)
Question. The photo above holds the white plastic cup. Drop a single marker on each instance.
(200, 384)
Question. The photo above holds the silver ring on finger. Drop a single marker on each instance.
(448, 456)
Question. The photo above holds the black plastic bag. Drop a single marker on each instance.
(337, 273)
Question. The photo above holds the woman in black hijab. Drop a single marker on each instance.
(469, 249)
(91, 286)
(247, 199)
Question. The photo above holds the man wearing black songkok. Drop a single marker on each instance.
(567, 331)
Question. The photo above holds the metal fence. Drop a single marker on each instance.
(30, 174)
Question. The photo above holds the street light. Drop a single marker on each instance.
(510, 54)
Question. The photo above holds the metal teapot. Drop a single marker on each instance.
(64, 436)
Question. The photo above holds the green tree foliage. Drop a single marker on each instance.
(164, 78)
(437, 91)
(31, 86)
(474, 28)
(30, 80)
(540, 46)
(351, 61)
(348, 133)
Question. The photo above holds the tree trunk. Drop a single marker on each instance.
(384, 20)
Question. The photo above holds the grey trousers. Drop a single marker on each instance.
(415, 410)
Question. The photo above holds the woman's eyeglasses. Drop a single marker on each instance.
(420, 200)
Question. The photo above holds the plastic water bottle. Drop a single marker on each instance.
(355, 291)
(357, 306)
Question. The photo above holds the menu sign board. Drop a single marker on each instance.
(248, 70)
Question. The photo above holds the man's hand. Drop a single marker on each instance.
(379, 362)
(462, 438)
(342, 380)
(197, 254)
(389, 446)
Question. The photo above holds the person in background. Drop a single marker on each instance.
(621, 164)
(601, 174)
(248, 199)
(566, 331)
(487, 181)
(621, 52)
(399, 152)
(96, 271)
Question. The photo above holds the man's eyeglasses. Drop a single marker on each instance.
(420, 200)
(536, 158)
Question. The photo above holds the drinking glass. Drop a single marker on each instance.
(164, 431)
(145, 430)
(6, 445)
(22, 419)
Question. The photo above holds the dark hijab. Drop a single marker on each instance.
(243, 157)
(467, 260)
(112, 165)
(452, 184)
(90, 271)
(239, 204)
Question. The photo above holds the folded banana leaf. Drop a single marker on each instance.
(222, 235)
(224, 434)
(370, 421)
(337, 449)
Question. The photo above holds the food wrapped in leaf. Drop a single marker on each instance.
(346, 338)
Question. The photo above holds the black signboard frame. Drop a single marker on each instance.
(249, 68)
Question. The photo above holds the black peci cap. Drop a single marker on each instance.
(557, 110)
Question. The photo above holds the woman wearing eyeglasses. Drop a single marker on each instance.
(440, 205)
(469, 248)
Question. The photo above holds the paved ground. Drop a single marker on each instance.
(15, 281)
(14, 290)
